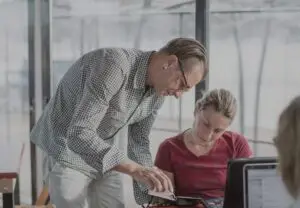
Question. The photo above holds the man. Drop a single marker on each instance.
(104, 91)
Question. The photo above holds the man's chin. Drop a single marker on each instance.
(163, 93)
(166, 94)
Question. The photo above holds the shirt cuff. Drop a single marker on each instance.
(113, 158)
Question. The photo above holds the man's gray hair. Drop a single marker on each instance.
(185, 48)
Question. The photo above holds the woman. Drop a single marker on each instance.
(196, 160)
(287, 143)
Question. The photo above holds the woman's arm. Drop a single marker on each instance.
(163, 160)
(242, 148)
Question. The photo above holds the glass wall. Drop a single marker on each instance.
(254, 47)
(253, 52)
(14, 110)
(129, 24)
(79, 27)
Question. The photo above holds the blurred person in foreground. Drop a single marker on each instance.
(287, 142)
(196, 159)
(103, 92)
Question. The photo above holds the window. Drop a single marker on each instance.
(14, 102)
(128, 24)
(253, 54)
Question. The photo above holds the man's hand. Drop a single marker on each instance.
(153, 177)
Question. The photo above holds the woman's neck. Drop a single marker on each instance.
(190, 138)
(196, 148)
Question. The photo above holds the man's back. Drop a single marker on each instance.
(103, 92)
(84, 79)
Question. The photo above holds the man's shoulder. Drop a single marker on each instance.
(125, 58)
(121, 54)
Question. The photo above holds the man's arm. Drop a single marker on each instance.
(104, 81)
(138, 140)
(139, 151)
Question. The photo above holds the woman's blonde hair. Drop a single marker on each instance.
(287, 143)
(222, 100)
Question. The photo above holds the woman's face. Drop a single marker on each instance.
(209, 125)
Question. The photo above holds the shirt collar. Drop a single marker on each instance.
(141, 75)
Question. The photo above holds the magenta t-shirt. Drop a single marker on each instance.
(205, 175)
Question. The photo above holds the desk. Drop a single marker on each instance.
(10, 161)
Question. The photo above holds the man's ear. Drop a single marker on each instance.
(172, 61)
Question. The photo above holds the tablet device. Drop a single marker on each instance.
(190, 201)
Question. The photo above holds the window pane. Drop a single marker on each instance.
(264, 149)
(14, 110)
(79, 27)
(252, 4)
(257, 52)
(76, 32)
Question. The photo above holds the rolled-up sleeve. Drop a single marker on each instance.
(138, 140)
(99, 87)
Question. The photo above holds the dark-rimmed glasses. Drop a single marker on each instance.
(182, 72)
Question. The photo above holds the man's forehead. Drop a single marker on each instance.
(193, 62)
(194, 76)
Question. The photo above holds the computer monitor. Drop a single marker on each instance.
(263, 187)
(234, 189)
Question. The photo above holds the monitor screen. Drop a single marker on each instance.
(264, 187)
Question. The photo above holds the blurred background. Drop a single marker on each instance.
(254, 48)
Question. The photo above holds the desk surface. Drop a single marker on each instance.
(10, 158)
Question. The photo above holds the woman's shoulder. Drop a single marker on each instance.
(172, 141)
(238, 144)
(233, 137)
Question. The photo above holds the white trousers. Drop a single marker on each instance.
(69, 188)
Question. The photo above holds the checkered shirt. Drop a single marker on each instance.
(102, 92)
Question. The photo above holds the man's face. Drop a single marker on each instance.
(177, 77)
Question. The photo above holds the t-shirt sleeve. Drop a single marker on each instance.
(163, 159)
(242, 148)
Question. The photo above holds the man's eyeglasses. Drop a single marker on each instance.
(184, 78)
